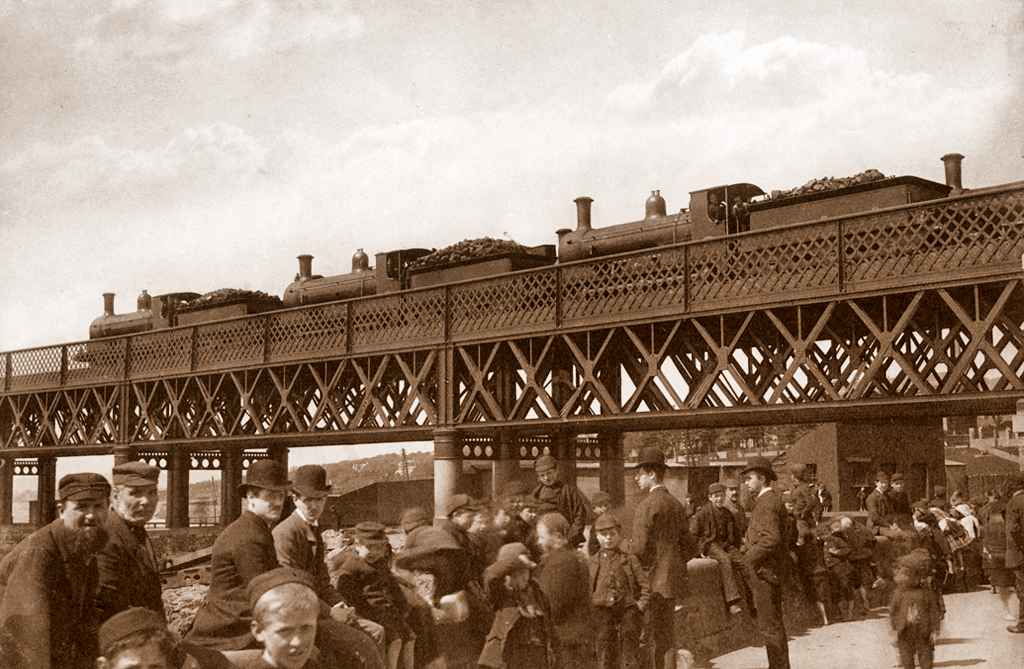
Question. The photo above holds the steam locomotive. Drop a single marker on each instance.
(713, 212)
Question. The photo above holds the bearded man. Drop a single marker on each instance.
(48, 583)
(129, 573)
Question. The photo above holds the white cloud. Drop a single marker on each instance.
(174, 34)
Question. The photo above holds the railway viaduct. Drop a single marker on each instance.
(911, 312)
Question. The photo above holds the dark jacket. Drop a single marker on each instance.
(48, 618)
(128, 572)
(880, 513)
(513, 635)
(711, 525)
(639, 589)
(564, 578)
(1015, 531)
(243, 551)
(571, 503)
(299, 545)
(375, 593)
(806, 510)
(767, 542)
(662, 543)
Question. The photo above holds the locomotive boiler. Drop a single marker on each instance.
(713, 212)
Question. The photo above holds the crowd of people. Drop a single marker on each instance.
(540, 578)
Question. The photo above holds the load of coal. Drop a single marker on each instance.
(232, 295)
(828, 183)
(469, 249)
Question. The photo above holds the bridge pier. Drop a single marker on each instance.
(46, 490)
(447, 468)
(230, 479)
(506, 467)
(179, 462)
(7, 491)
(612, 468)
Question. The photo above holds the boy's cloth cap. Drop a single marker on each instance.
(269, 580)
(460, 502)
(511, 558)
(715, 487)
(544, 463)
(413, 518)
(126, 623)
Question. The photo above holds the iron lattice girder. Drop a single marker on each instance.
(920, 344)
(924, 343)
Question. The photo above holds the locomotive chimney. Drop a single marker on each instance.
(954, 174)
(583, 212)
(655, 207)
(305, 266)
(108, 304)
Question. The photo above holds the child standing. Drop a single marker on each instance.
(523, 635)
(913, 611)
(620, 595)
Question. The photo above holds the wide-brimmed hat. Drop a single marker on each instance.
(85, 485)
(651, 456)
(268, 474)
(511, 558)
(423, 545)
(311, 481)
(759, 463)
(136, 473)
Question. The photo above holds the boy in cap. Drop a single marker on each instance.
(620, 593)
(284, 620)
(714, 529)
(48, 583)
(602, 502)
(913, 611)
(567, 498)
(128, 567)
(365, 580)
(522, 635)
(138, 638)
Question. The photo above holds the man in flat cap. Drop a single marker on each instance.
(128, 565)
(567, 498)
(661, 541)
(714, 529)
(243, 551)
(766, 557)
(48, 583)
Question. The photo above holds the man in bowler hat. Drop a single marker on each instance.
(661, 541)
(48, 583)
(298, 539)
(128, 565)
(243, 551)
(766, 556)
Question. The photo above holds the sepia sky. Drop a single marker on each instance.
(192, 145)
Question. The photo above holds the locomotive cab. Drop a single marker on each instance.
(722, 210)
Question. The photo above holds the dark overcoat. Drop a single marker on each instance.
(1015, 532)
(767, 543)
(661, 541)
(299, 545)
(243, 551)
(128, 572)
(47, 603)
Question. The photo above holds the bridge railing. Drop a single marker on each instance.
(975, 234)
